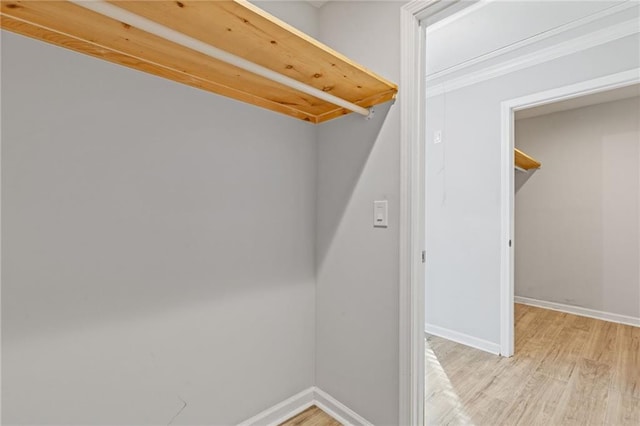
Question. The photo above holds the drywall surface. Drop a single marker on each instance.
(463, 176)
(357, 264)
(497, 25)
(157, 247)
(299, 14)
(577, 240)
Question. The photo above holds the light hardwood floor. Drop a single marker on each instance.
(312, 416)
(567, 370)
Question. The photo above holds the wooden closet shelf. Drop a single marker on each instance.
(524, 161)
(237, 27)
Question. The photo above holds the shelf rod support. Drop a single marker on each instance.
(152, 27)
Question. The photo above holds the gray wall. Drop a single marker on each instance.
(577, 218)
(158, 247)
(299, 14)
(463, 180)
(357, 281)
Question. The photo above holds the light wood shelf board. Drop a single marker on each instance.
(120, 58)
(235, 26)
(524, 161)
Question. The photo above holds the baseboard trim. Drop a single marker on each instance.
(464, 339)
(296, 404)
(577, 310)
(282, 411)
(338, 410)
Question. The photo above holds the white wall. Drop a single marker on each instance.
(577, 218)
(357, 282)
(463, 175)
(158, 247)
(449, 42)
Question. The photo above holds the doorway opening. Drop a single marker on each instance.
(576, 237)
(555, 245)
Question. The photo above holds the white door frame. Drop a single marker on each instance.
(412, 201)
(508, 109)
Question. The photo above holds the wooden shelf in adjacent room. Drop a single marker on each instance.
(524, 161)
(237, 27)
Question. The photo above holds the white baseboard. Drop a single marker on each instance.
(577, 310)
(282, 411)
(290, 407)
(337, 410)
(464, 339)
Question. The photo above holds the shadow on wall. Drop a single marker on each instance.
(350, 141)
(520, 178)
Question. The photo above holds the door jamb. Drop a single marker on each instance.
(412, 198)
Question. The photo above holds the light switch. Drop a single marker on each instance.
(437, 136)
(380, 214)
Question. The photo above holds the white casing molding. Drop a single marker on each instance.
(411, 382)
(475, 6)
(464, 339)
(577, 310)
(299, 402)
(415, 16)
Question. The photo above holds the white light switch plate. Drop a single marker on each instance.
(437, 136)
(380, 214)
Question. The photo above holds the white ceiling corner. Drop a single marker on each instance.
(316, 3)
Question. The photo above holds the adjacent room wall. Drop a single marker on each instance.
(577, 239)
(357, 279)
(158, 247)
(448, 40)
(463, 171)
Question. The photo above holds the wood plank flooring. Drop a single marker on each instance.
(312, 416)
(567, 370)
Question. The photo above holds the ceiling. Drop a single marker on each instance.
(581, 101)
